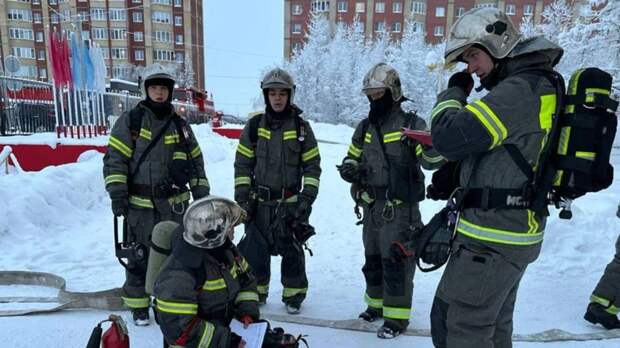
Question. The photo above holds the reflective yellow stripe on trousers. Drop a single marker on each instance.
(488, 234)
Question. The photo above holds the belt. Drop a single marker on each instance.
(497, 198)
(156, 191)
(265, 193)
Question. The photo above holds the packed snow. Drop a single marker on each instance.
(59, 220)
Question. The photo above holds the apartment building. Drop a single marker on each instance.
(434, 17)
(130, 32)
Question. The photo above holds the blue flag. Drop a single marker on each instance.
(90, 69)
(76, 65)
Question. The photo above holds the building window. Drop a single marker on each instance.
(41, 54)
(138, 36)
(82, 16)
(320, 6)
(178, 39)
(97, 14)
(511, 9)
(118, 53)
(440, 11)
(119, 72)
(23, 34)
(118, 14)
(42, 73)
(397, 7)
(161, 17)
(105, 52)
(66, 15)
(178, 3)
(297, 9)
(296, 28)
(438, 30)
(162, 36)
(118, 34)
(54, 18)
(37, 17)
(136, 1)
(379, 26)
(417, 27)
(23, 52)
(485, 5)
(418, 7)
(343, 6)
(39, 36)
(396, 27)
(178, 21)
(165, 55)
(137, 17)
(528, 10)
(460, 11)
(297, 46)
(380, 7)
(36, 2)
(99, 33)
(162, 2)
(52, 2)
(179, 57)
(360, 7)
(20, 15)
(138, 55)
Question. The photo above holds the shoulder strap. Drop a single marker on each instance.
(254, 122)
(135, 123)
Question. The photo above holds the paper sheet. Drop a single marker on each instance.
(253, 335)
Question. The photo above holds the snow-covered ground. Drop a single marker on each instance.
(58, 220)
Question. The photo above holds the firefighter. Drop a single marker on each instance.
(205, 282)
(277, 170)
(384, 168)
(605, 299)
(496, 235)
(152, 157)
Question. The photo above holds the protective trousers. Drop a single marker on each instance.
(264, 237)
(474, 302)
(389, 282)
(140, 224)
(607, 291)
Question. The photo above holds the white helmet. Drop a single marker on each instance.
(381, 77)
(209, 221)
(487, 27)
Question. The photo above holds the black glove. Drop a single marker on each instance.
(234, 340)
(199, 192)
(304, 208)
(350, 171)
(250, 208)
(445, 180)
(179, 171)
(120, 206)
(463, 81)
(437, 249)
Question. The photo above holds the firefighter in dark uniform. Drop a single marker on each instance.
(205, 282)
(497, 236)
(605, 299)
(277, 170)
(384, 168)
(147, 183)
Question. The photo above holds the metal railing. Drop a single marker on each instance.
(26, 106)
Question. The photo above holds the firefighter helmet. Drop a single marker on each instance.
(278, 78)
(487, 27)
(209, 221)
(158, 75)
(381, 77)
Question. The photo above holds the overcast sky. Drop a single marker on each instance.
(241, 39)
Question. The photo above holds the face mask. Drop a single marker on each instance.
(380, 107)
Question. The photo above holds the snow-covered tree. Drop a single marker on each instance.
(557, 18)
(185, 76)
(528, 28)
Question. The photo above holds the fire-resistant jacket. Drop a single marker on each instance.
(197, 296)
(280, 159)
(518, 110)
(124, 151)
(400, 167)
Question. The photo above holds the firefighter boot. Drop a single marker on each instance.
(141, 316)
(371, 314)
(596, 314)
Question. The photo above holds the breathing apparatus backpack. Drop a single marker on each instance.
(575, 160)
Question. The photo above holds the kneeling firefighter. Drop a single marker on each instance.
(201, 281)
(205, 282)
(151, 160)
(384, 168)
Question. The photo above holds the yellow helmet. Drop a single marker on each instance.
(487, 27)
